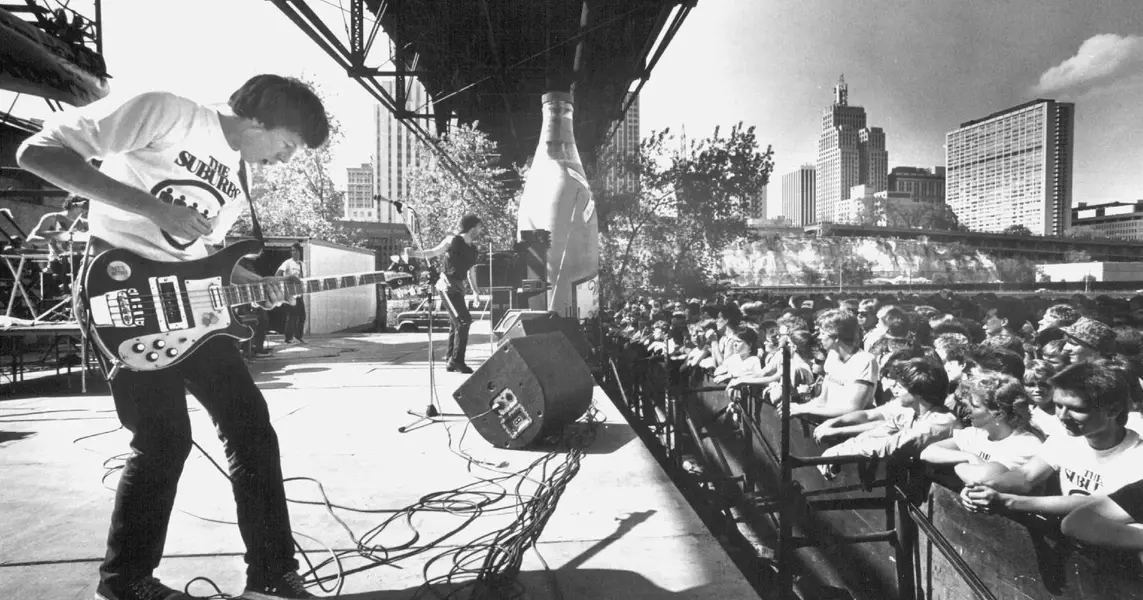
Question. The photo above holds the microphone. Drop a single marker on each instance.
(400, 206)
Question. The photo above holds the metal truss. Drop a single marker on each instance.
(352, 59)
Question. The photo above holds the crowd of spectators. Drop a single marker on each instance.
(1034, 402)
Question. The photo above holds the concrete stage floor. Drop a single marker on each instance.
(620, 531)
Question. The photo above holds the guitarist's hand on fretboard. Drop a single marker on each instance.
(273, 286)
(276, 291)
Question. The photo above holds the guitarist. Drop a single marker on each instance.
(459, 251)
(172, 183)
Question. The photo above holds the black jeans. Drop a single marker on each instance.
(295, 319)
(461, 320)
(152, 406)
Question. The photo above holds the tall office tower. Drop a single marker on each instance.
(924, 184)
(359, 203)
(625, 143)
(397, 151)
(798, 196)
(1013, 167)
(849, 154)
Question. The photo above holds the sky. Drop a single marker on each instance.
(920, 68)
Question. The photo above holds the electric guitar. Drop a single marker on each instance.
(147, 315)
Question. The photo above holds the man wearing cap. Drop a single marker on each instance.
(1088, 340)
(1058, 316)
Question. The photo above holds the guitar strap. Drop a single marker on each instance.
(246, 190)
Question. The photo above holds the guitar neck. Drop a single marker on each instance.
(247, 293)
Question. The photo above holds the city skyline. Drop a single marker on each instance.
(943, 64)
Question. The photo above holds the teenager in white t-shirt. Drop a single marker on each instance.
(1098, 456)
(850, 373)
(169, 190)
(998, 438)
(919, 386)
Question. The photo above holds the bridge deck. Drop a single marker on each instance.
(621, 530)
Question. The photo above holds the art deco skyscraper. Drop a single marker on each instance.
(1013, 167)
(849, 154)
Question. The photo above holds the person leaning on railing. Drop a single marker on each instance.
(919, 386)
(1115, 520)
(999, 437)
(1098, 455)
(850, 373)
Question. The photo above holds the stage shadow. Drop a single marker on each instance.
(576, 584)
(14, 436)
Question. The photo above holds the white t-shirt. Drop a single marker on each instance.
(166, 145)
(291, 268)
(1012, 451)
(861, 366)
(1084, 471)
(1047, 422)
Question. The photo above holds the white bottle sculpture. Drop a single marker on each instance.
(557, 198)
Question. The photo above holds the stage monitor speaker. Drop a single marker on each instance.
(531, 387)
(521, 323)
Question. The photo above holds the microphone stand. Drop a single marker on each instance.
(432, 414)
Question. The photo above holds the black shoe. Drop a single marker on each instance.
(147, 588)
(287, 587)
(458, 368)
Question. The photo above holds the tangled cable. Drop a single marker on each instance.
(486, 567)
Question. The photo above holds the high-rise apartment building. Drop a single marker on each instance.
(924, 184)
(398, 152)
(849, 154)
(798, 196)
(624, 144)
(1013, 167)
(359, 202)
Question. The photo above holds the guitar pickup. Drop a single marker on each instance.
(167, 297)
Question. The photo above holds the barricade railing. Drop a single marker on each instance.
(663, 401)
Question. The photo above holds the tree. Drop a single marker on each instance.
(440, 199)
(686, 210)
(1016, 270)
(1077, 256)
(298, 198)
(923, 215)
(1018, 229)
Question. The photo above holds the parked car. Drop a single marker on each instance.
(418, 318)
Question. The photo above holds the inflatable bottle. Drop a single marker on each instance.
(557, 199)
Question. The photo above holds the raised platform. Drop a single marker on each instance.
(621, 530)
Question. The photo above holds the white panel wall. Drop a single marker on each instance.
(329, 312)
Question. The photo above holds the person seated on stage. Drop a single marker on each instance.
(1098, 454)
(999, 437)
(850, 373)
(918, 385)
(72, 218)
(1114, 520)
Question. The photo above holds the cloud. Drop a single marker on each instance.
(1099, 57)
